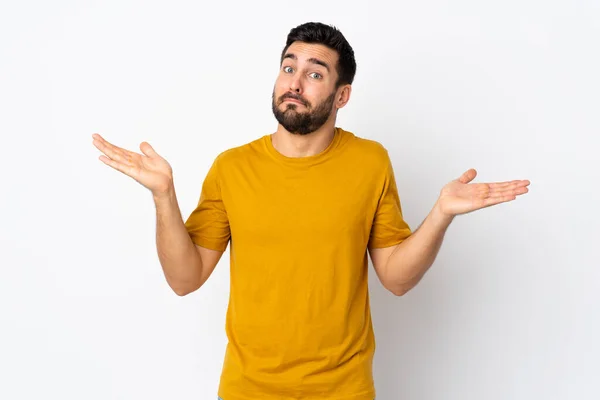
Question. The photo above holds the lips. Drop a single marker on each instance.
(293, 100)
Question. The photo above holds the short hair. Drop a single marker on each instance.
(330, 36)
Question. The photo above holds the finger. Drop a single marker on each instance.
(508, 192)
(499, 185)
(126, 169)
(491, 201)
(148, 150)
(104, 146)
(515, 183)
(518, 186)
(468, 176)
(112, 151)
(495, 189)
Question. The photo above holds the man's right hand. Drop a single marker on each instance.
(149, 168)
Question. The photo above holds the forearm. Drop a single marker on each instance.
(412, 258)
(177, 253)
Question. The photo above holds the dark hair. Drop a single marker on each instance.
(330, 36)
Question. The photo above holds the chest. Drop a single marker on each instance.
(307, 207)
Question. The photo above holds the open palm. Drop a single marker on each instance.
(460, 197)
(149, 169)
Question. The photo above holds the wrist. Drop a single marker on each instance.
(165, 194)
(439, 217)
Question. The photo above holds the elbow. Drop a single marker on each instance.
(402, 288)
(183, 290)
(399, 291)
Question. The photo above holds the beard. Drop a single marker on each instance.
(302, 123)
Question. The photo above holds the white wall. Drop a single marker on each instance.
(508, 311)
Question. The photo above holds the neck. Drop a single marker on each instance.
(293, 145)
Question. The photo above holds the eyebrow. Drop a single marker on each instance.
(310, 60)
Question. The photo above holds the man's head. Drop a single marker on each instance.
(316, 72)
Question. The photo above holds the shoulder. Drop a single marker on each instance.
(368, 151)
(239, 154)
(370, 146)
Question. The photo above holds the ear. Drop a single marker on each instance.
(343, 95)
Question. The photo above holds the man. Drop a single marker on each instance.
(301, 208)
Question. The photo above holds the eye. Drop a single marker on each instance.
(316, 75)
(287, 69)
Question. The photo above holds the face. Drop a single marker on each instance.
(305, 96)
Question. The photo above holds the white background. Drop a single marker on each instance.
(510, 309)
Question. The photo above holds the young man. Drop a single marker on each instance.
(301, 208)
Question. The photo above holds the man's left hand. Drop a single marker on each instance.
(461, 197)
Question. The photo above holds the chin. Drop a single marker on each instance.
(289, 106)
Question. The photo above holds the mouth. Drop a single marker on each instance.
(293, 101)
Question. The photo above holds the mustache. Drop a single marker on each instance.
(292, 96)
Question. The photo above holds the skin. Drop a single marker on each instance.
(299, 77)
(302, 77)
(399, 267)
(402, 266)
(186, 266)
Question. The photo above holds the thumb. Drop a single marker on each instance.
(468, 176)
(148, 150)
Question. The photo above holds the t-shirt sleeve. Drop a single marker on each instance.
(389, 227)
(208, 224)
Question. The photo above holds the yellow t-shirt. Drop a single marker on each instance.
(298, 321)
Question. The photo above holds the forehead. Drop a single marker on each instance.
(303, 51)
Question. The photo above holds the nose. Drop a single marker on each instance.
(296, 84)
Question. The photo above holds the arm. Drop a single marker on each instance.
(186, 265)
(401, 267)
